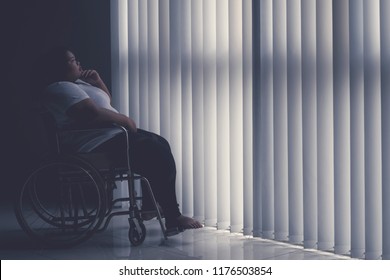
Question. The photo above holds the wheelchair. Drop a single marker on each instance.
(68, 197)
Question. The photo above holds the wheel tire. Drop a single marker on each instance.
(62, 203)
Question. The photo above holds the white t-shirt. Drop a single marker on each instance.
(60, 96)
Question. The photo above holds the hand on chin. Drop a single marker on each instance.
(90, 76)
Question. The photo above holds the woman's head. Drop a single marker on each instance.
(60, 64)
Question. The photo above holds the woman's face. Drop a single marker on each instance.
(73, 67)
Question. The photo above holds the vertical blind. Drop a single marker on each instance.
(277, 112)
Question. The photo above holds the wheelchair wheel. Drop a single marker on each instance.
(137, 233)
(62, 202)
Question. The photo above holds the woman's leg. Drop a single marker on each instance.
(151, 157)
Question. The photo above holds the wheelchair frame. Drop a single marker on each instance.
(55, 205)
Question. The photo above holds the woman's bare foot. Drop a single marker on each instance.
(188, 223)
(182, 223)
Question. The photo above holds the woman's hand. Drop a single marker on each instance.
(92, 77)
(131, 126)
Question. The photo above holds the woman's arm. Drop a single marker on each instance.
(86, 113)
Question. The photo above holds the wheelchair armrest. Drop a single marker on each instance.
(82, 129)
(97, 135)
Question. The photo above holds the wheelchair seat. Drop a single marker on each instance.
(68, 197)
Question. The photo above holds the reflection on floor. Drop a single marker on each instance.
(206, 243)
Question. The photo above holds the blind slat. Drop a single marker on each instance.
(385, 101)
(309, 127)
(357, 129)
(325, 151)
(342, 128)
(295, 133)
(210, 111)
(372, 132)
(280, 119)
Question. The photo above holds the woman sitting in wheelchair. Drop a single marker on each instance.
(79, 97)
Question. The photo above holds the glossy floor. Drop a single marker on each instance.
(206, 243)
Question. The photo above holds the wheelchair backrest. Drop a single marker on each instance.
(50, 127)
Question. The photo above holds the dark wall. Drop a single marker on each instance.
(29, 28)
(90, 38)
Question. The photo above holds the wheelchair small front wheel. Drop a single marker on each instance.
(137, 233)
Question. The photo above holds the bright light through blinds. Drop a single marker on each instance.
(186, 63)
(279, 125)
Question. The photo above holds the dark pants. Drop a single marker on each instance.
(151, 157)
